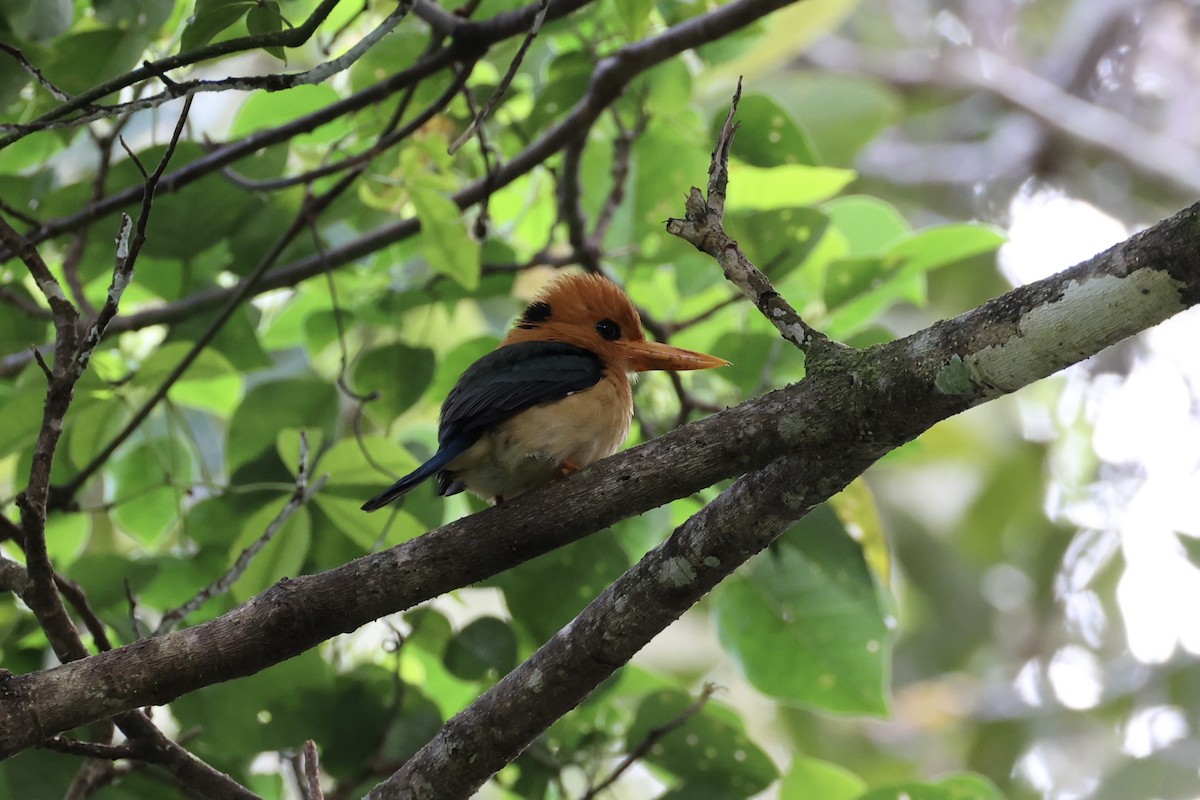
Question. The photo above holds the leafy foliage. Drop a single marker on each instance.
(376, 301)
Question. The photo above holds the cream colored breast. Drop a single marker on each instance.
(531, 448)
(581, 428)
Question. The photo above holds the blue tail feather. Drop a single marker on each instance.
(441, 459)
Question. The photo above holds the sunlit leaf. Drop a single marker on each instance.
(445, 242)
(957, 787)
(783, 186)
(812, 778)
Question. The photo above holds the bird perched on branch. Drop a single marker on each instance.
(551, 399)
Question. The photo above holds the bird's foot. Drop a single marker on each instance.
(569, 467)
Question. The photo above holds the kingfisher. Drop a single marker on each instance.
(554, 397)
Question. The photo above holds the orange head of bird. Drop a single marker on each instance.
(592, 312)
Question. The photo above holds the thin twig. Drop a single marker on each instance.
(26, 65)
(385, 142)
(703, 227)
(273, 83)
(128, 249)
(307, 771)
(301, 495)
(490, 106)
(653, 737)
(112, 752)
(622, 155)
(23, 304)
(293, 37)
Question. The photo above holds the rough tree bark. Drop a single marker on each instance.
(828, 428)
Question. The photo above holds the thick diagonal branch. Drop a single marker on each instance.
(878, 399)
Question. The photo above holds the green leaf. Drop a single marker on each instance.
(781, 239)
(634, 16)
(269, 109)
(710, 749)
(281, 557)
(21, 410)
(38, 21)
(749, 353)
(856, 509)
(398, 373)
(396, 51)
(192, 220)
(445, 242)
(956, 787)
(146, 14)
(842, 113)
(573, 575)
(105, 576)
(265, 19)
(849, 278)
(266, 711)
(805, 623)
(768, 135)
(787, 35)
(82, 60)
(943, 245)
(353, 477)
(150, 482)
(859, 289)
(270, 407)
(210, 18)
(486, 648)
(811, 778)
(210, 382)
(66, 535)
(870, 225)
(783, 186)
(417, 722)
(35, 775)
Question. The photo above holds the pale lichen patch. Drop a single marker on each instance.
(677, 572)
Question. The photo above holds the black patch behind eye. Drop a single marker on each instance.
(608, 329)
(537, 311)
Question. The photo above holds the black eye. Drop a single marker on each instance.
(608, 329)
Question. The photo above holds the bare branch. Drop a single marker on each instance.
(307, 772)
(882, 397)
(128, 249)
(704, 228)
(112, 752)
(42, 80)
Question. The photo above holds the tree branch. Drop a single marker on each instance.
(292, 37)
(245, 83)
(704, 228)
(830, 427)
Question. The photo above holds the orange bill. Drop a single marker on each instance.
(644, 355)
